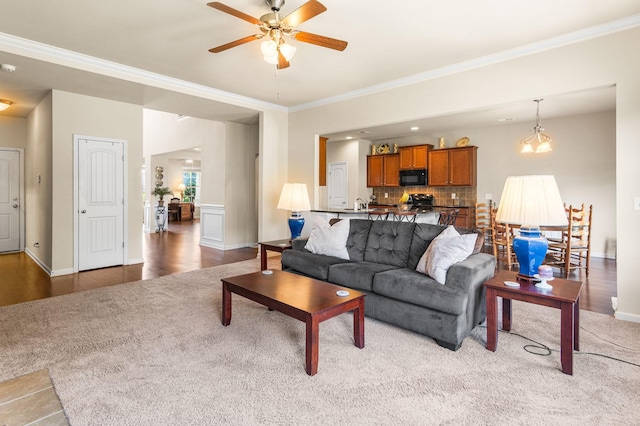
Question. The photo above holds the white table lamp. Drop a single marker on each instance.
(294, 197)
(531, 202)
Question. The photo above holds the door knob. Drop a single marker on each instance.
(15, 206)
(83, 211)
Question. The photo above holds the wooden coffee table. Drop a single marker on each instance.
(299, 297)
(565, 295)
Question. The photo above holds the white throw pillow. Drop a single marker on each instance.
(329, 240)
(445, 250)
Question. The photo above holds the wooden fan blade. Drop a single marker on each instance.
(244, 40)
(282, 61)
(231, 11)
(319, 40)
(304, 13)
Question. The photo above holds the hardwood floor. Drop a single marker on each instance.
(177, 250)
(170, 252)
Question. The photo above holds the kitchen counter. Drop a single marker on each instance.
(421, 217)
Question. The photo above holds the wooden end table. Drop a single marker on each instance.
(565, 295)
(303, 298)
(277, 245)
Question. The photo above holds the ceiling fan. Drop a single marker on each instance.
(276, 28)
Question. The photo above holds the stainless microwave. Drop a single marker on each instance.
(413, 177)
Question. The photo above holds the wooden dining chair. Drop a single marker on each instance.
(483, 221)
(502, 241)
(572, 250)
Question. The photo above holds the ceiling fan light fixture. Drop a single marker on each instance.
(5, 104)
(269, 48)
(288, 51)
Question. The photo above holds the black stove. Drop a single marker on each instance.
(423, 202)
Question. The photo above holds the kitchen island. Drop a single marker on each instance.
(421, 217)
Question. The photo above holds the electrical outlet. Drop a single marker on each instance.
(453, 196)
(386, 195)
(488, 197)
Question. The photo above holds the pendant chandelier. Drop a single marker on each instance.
(542, 141)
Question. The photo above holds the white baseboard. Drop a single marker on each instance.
(626, 317)
(32, 255)
(58, 272)
(135, 261)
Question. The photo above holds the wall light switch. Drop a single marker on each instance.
(636, 203)
(488, 197)
(386, 195)
(453, 196)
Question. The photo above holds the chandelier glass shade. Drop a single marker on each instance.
(542, 141)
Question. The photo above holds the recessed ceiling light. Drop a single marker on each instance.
(414, 128)
(4, 104)
(349, 137)
(7, 68)
(506, 119)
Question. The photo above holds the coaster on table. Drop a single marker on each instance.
(267, 272)
(342, 293)
(512, 284)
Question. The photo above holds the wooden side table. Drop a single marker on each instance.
(277, 245)
(565, 295)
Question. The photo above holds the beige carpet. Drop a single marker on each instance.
(155, 353)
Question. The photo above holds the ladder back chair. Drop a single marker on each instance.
(483, 221)
(573, 250)
(448, 217)
(503, 242)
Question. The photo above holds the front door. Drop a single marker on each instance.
(100, 182)
(338, 186)
(9, 200)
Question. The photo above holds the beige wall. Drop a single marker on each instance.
(599, 62)
(13, 132)
(39, 184)
(241, 218)
(75, 114)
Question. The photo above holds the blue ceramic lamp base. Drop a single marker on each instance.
(530, 249)
(296, 223)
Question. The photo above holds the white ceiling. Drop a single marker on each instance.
(388, 41)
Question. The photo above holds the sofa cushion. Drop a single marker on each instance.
(423, 234)
(330, 240)
(389, 243)
(357, 239)
(413, 287)
(356, 275)
(312, 265)
(446, 249)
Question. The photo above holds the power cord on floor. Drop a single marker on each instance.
(546, 350)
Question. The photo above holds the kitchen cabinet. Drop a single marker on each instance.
(414, 157)
(463, 218)
(453, 166)
(383, 170)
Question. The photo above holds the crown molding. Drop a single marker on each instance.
(525, 50)
(55, 55)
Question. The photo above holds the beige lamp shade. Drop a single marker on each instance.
(182, 187)
(294, 197)
(531, 200)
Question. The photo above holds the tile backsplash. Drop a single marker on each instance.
(466, 195)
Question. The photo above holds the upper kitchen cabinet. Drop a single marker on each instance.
(383, 170)
(453, 166)
(414, 157)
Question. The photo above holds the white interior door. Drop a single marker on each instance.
(9, 201)
(100, 203)
(338, 186)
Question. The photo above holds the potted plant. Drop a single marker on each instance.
(160, 192)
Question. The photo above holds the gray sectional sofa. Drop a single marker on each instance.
(382, 260)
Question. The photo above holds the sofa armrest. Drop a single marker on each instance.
(299, 243)
(468, 276)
